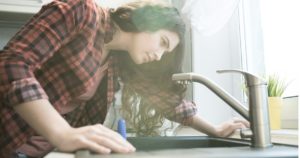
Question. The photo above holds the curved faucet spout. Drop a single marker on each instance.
(225, 96)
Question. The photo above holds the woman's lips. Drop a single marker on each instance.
(148, 57)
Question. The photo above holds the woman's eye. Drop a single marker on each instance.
(164, 43)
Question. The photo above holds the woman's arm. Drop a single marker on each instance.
(225, 129)
(42, 117)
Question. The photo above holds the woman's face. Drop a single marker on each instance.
(150, 46)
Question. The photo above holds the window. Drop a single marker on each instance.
(281, 34)
(270, 36)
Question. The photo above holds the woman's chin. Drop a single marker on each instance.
(138, 62)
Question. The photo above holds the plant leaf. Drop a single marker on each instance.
(276, 86)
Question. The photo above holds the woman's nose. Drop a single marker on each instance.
(158, 54)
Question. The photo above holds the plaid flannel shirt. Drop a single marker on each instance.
(56, 56)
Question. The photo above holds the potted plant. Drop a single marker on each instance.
(276, 88)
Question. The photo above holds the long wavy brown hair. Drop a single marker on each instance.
(142, 83)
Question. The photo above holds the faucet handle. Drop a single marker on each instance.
(246, 133)
(250, 78)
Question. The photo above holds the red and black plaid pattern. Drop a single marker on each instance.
(55, 56)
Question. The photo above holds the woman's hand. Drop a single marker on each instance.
(228, 128)
(96, 138)
(225, 129)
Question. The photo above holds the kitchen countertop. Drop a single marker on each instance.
(278, 136)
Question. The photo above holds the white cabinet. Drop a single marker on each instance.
(20, 6)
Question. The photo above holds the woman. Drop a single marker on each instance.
(60, 71)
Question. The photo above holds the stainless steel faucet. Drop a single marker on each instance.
(258, 115)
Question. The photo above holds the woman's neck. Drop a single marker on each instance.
(120, 40)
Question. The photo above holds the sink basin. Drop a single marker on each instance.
(160, 143)
(195, 147)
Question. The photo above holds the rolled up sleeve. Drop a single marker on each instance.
(184, 111)
(25, 90)
(34, 44)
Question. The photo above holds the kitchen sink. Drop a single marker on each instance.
(195, 147)
(183, 142)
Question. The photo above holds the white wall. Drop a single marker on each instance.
(219, 51)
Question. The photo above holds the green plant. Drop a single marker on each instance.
(276, 86)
